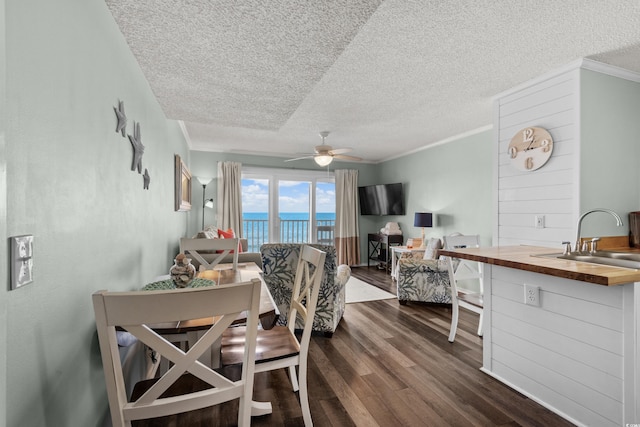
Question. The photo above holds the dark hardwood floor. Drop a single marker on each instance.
(391, 365)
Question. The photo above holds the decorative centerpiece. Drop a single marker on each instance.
(182, 272)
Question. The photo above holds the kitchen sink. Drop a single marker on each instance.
(612, 258)
(632, 256)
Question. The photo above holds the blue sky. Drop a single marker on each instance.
(294, 196)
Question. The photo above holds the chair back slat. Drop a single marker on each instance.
(197, 247)
(306, 288)
(137, 312)
(137, 307)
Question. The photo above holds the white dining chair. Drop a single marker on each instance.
(461, 270)
(279, 347)
(180, 394)
(218, 249)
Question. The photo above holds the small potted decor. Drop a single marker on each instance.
(182, 272)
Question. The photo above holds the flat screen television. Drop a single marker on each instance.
(383, 199)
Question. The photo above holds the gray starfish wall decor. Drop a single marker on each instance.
(136, 142)
(122, 118)
(146, 178)
(138, 148)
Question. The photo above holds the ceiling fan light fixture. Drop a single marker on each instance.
(323, 159)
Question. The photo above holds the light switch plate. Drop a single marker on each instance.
(539, 221)
(21, 261)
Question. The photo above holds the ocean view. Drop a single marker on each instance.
(294, 227)
(288, 215)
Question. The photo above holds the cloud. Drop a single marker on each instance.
(293, 197)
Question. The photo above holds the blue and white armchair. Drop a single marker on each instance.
(423, 278)
(279, 263)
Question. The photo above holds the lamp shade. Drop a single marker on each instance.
(323, 160)
(423, 219)
(204, 180)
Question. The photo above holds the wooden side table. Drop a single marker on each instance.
(379, 247)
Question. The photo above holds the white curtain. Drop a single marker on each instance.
(347, 234)
(229, 204)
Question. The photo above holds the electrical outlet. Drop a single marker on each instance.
(539, 221)
(532, 295)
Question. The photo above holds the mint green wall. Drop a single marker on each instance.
(69, 183)
(609, 150)
(3, 222)
(452, 180)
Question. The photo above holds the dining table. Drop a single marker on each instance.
(222, 274)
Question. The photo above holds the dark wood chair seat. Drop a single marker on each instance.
(272, 344)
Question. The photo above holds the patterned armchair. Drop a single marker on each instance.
(279, 263)
(425, 280)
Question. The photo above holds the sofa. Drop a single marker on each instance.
(279, 263)
(422, 277)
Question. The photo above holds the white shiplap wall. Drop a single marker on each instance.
(551, 103)
(578, 352)
(567, 354)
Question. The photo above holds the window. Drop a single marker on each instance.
(282, 205)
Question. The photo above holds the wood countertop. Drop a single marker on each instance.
(528, 258)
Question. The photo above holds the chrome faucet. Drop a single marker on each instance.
(609, 211)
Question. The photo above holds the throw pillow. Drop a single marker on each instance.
(212, 229)
(432, 248)
(229, 234)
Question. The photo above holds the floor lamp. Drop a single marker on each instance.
(204, 182)
(423, 219)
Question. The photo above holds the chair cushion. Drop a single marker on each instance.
(432, 248)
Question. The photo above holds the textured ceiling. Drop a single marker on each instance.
(384, 77)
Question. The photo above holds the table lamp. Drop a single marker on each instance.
(423, 219)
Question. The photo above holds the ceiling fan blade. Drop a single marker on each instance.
(339, 151)
(350, 158)
(300, 158)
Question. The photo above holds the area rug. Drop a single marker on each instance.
(358, 291)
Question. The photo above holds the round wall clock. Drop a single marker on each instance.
(530, 148)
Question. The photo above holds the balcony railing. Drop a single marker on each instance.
(256, 231)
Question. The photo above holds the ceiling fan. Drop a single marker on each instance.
(324, 154)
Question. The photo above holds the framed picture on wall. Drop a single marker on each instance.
(183, 185)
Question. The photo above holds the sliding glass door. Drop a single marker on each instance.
(289, 206)
(293, 211)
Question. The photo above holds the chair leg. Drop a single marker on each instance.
(304, 398)
(454, 321)
(480, 323)
(294, 378)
